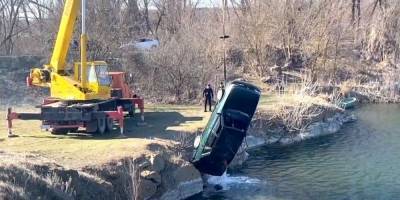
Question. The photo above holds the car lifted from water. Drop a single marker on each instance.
(226, 129)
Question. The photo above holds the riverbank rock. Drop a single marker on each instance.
(184, 182)
(265, 129)
(157, 162)
(328, 126)
(151, 176)
(185, 173)
(33, 177)
(146, 177)
(348, 118)
(249, 143)
(146, 189)
(240, 157)
(297, 122)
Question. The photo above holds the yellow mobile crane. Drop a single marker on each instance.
(91, 97)
(83, 85)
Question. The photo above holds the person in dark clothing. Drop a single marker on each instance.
(221, 91)
(208, 95)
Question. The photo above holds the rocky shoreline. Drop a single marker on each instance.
(261, 135)
(319, 128)
(147, 177)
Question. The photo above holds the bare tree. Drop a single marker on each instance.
(323, 40)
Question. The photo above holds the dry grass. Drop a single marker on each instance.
(299, 115)
(296, 107)
(294, 94)
(346, 88)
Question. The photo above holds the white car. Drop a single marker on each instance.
(141, 44)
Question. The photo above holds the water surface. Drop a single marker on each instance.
(362, 161)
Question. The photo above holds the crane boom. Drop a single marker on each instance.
(64, 36)
(90, 79)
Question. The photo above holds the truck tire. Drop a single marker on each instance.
(73, 130)
(109, 124)
(101, 125)
(59, 131)
(131, 111)
(91, 126)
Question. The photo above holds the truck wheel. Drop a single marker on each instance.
(59, 131)
(73, 130)
(101, 125)
(109, 124)
(131, 111)
(91, 127)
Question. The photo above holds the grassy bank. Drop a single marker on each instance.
(148, 162)
(165, 125)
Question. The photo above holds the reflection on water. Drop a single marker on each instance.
(360, 162)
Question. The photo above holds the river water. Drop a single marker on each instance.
(362, 161)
